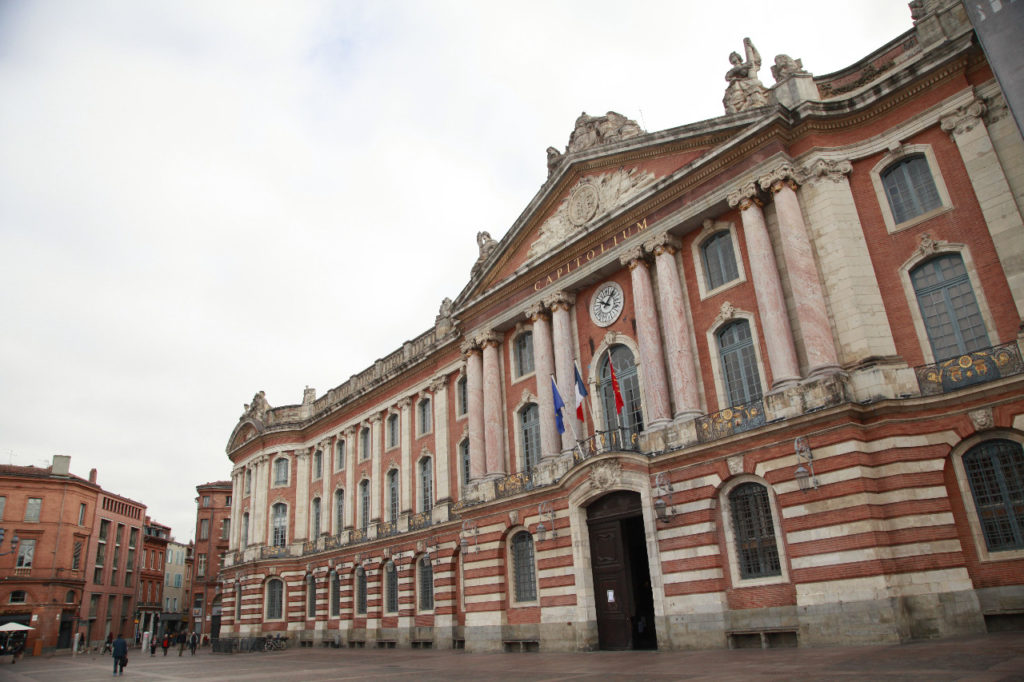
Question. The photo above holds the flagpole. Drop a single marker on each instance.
(562, 410)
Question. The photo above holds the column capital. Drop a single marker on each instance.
(405, 403)
(489, 338)
(439, 383)
(560, 300)
(783, 175)
(964, 119)
(824, 169)
(537, 311)
(633, 257)
(469, 347)
(373, 419)
(745, 196)
(662, 243)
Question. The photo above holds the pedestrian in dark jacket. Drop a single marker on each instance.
(166, 643)
(193, 642)
(120, 653)
(181, 642)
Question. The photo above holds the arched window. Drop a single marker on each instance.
(314, 520)
(279, 524)
(995, 471)
(244, 539)
(426, 575)
(461, 396)
(464, 458)
(719, 260)
(632, 417)
(390, 587)
(529, 429)
(275, 598)
(739, 363)
(424, 415)
(426, 484)
(910, 189)
(364, 443)
(756, 551)
(393, 431)
(339, 455)
(522, 350)
(69, 596)
(948, 307)
(281, 471)
(335, 594)
(360, 590)
(393, 495)
(310, 597)
(318, 464)
(523, 571)
(248, 481)
(339, 510)
(364, 504)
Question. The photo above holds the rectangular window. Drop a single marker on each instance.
(200, 565)
(32, 509)
(177, 580)
(94, 605)
(81, 514)
(318, 464)
(204, 529)
(227, 501)
(3, 503)
(76, 556)
(225, 529)
(104, 530)
(206, 500)
(26, 550)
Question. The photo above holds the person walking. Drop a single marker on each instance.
(193, 642)
(108, 643)
(152, 644)
(166, 643)
(181, 642)
(120, 652)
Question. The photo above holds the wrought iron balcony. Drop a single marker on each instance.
(606, 441)
(422, 520)
(272, 552)
(514, 484)
(387, 528)
(730, 421)
(970, 369)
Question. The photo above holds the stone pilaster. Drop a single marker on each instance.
(301, 511)
(544, 370)
(494, 432)
(649, 339)
(408, 476)
(682, 369)
(375, 465)
(1002, 217)
(475, 398)
(811, 313)
(561, 326)
(442, 448)
(237, 483)
(771, 304)
(351, 434)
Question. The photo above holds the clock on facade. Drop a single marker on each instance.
(606, 305)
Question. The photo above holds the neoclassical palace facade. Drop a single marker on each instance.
(798, 328)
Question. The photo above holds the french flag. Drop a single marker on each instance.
(581, 392)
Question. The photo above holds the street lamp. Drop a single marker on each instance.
(544, 509)
(14, 542)
(663, 489)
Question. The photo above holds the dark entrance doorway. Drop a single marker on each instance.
(622, 582)
(67, 624)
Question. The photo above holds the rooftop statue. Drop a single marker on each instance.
(745, 91)
(785, 66)
(591, 131)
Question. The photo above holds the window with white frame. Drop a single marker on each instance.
(461, 396)
(318, 464)
(314, 518)
(18, 597)
(339, 455)
(529, 431)
(248, 481)
(204, 529)
(275, 598)
(393, 495)
(948, 307)
(757, 553)
(522, 353)
(719, 260)
(244, 539)
(335, 594)
(26, 553)
(360, 590)
(995, 473)
(523, 570)
(390, 587)
(364, 443)
(32, 509)
(426, 484)
(424, 415)
(426, 583)
(909, 188)
(339, 509)
(740, 376)
(281, 471)
(632, 416)
(310, 597)
(364, 504)
(392, 429)
(279, 524)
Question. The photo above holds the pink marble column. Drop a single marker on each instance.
(475, 398)
(494, 452)
(560, 303)
(652, 362)
(808, 296)
(681, 369)
(544, 368)
(771, 304)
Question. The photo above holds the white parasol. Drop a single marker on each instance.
(14, 627)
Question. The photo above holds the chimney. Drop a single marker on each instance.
(61, 465)
(92, 475)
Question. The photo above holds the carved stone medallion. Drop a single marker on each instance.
(982, 419)
(583, 204)
(606, 475)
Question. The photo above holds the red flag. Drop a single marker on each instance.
(615, 387)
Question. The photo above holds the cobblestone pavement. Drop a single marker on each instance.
(984, 657)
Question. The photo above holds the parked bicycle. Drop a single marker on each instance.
(277, 642)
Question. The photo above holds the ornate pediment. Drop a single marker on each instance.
(590, 198)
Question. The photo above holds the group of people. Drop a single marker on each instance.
(118, 647)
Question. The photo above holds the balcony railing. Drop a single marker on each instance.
(514, 484)
(422, 520)
(387, 528)
(973, 368)
(606, 441)
(730, 421)
(272, 552)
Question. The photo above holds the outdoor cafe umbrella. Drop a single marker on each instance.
(14, 627)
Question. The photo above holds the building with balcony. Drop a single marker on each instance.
(155, 540)
(176, 588)
(213, 528)
(793, 337)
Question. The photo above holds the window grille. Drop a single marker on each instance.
(756, 549)
(995, 470)
(950, 311)
(719, 260)
(275, 598)
(529, 422)
(739, 363)
(426, 584)
(910, 189)
(523, 352)
(523, 567)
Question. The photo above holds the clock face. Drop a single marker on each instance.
(606, 305)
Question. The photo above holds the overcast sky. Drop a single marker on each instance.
(201, 200)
